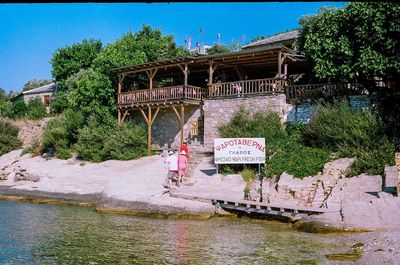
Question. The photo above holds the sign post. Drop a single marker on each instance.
(239, 151)
(397, 158)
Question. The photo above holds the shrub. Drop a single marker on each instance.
(128, 141)
(61, 133)
(297, 159)
(36, 109)
(99, 141)
(8, 137)
(91, 138)
(248, 175)
(351, 133)
(18, 110)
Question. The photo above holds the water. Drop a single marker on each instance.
(49, 234)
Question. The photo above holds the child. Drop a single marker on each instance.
(182, 163)
(172, 162)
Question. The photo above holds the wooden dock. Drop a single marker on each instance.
(268, 210)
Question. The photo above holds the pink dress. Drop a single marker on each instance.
(182, 163)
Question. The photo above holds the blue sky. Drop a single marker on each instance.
(31, 33)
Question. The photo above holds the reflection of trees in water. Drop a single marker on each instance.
(72, 235)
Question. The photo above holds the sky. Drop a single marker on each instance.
(31, 33)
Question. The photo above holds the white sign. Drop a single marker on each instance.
(239, 150)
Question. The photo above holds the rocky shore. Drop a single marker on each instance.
(136, 187)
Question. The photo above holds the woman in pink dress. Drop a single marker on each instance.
(182, 163)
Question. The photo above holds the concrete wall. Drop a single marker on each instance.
(220, 111)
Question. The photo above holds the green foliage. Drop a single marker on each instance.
(99, 141)
(339, 43)
(334, 126)
(127, 141)
(297, 159)
(19, 109)
(260, 124)
(8, 137)
(92, 94)
(218, 49)
(69, 60)
(248, 175)
(351, 133)
(35, 109)
(60, 103)
(35, 83)
(145, 45)
(61, 133)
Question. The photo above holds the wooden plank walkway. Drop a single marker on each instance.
(251, 207)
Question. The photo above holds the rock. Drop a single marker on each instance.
(338, 168)
(255, 191)
(22, 175)
(390, 179)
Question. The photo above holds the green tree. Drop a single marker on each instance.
(35, 83)
(92, 93)
(358, 42)
(218, 49)
(144, 46)
(71, 59)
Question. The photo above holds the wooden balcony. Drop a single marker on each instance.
(313, 91)
(247, 87)
(165, 95)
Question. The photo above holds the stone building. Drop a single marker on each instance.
(45, 93)
(190, 97)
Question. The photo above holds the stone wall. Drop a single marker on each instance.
(220, 111)
(166, 129)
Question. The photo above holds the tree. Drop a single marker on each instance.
(144, 46)
(358, 42)
(35, 83)
(92, 93)
(69, 60)
(218, 49)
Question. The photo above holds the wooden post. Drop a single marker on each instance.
(120, 80)
(210, 72)
(280, 61)
(185, 71)
(182, 121)
(151, 74)
(181, 118)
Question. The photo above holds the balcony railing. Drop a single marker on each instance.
(164, 94)
(299, 92)
(248, 87)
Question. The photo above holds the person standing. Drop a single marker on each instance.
(182, 164)
(185, 147)
(172, 161)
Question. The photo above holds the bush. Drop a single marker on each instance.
(18, 110)
(248, 175)
(351, 133)
(298, 160)
(127, 141)
(99, 141)
(35, 109)
(61, 133)
(8, 137)
(91, 138)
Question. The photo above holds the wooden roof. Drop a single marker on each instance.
(257, 57)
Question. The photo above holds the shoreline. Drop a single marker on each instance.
(135, 187)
